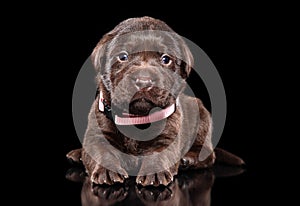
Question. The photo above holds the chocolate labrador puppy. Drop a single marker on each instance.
(141, 122)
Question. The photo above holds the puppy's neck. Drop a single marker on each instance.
(129, 119)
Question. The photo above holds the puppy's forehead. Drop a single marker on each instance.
(152, 40)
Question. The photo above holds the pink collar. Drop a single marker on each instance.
(134, 120)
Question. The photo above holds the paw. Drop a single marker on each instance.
(100, 175)
(191, 161)
(74, 155)
(161, 178)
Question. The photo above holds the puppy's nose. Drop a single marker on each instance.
(144, 81)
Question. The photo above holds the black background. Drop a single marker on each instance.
(235, 41)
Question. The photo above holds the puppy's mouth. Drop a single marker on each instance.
(141, 106)
(144, 102)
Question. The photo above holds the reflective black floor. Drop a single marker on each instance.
(221, 185)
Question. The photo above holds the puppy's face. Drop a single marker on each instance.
(142, 69)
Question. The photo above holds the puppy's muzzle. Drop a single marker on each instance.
(143, 82)
(144, 79)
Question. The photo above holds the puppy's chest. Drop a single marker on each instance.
(153, 143)
(135, 147)
(131, 146)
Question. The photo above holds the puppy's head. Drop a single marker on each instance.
(141, 64)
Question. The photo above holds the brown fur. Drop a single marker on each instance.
(168, 88)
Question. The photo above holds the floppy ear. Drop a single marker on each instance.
(98, 54)
(187, 61)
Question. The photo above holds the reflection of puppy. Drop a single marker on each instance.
(193, 189)
(141, 77)
(190, 188)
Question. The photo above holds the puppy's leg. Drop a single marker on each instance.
(75, 155)
(98, 150)
(201, 154)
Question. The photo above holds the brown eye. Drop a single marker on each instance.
(123, 56)
(165, 59)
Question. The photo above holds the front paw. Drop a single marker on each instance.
(101, 175)
(74, 156)
(161, 178)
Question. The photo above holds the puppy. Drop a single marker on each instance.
(141, 122)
